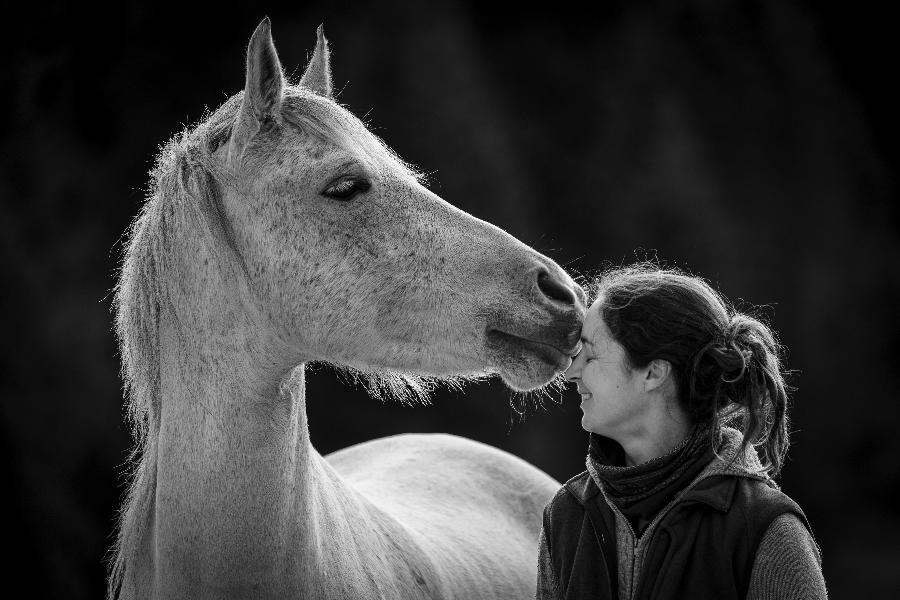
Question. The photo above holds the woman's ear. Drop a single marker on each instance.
(657, 375)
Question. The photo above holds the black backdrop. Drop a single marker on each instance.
(751, 142)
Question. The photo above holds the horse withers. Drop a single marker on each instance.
(280, 231)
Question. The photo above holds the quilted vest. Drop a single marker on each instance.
(704, 547)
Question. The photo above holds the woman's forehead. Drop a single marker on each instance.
(593, 327)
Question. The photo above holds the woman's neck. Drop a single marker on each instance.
(656, 435)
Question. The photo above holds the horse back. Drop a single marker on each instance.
(474, 510)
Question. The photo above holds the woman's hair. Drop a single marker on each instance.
(726, 365)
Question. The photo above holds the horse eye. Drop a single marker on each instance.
(346, 189)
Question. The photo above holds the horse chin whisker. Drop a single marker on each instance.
(528, 402)
(409, 389)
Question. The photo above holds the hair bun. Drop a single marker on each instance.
(737, 329)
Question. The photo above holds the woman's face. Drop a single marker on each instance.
(613, 399)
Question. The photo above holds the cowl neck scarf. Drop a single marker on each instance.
(641, 491)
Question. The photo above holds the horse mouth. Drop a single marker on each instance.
(522, 348)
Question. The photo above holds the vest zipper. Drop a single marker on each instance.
(641, 544)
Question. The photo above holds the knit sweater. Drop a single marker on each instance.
(787, 563)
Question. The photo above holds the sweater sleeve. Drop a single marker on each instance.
(788, 564)
(547, 586)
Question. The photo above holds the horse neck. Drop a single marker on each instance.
(243, 501)
(234, 460)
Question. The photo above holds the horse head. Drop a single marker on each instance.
(350, 259)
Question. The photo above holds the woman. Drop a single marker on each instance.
(675, 503)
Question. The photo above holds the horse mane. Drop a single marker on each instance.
(185, 179)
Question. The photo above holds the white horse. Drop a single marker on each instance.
(280, 231)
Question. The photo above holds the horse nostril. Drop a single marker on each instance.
(555, 290)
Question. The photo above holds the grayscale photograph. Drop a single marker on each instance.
(451, 301)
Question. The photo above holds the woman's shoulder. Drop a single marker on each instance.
(765, 498)
(788, 532)
(788, 563)
(570, 498)
(576, 488)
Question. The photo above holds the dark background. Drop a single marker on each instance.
(751, 142)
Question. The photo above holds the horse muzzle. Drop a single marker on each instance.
(530, 349)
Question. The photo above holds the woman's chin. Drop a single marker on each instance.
(585, 412)
(585, 424)
(591, 425)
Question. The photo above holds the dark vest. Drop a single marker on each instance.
(704, 547)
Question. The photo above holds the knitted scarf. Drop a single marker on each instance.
(641, 491)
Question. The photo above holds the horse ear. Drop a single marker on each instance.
(262, 90)
(317, 76)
